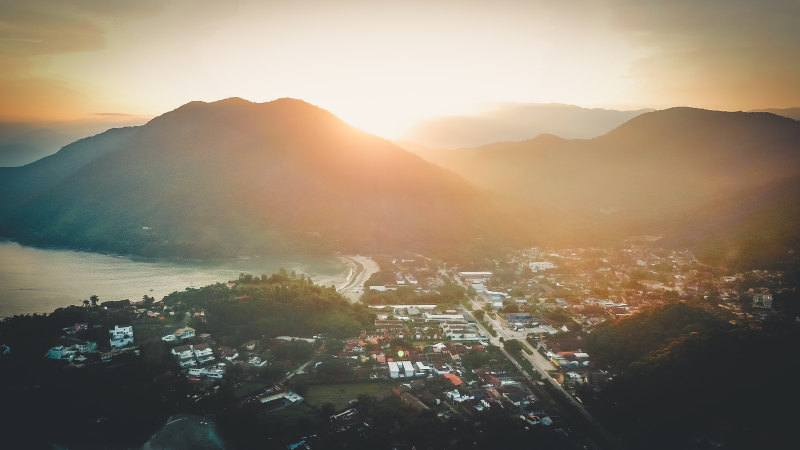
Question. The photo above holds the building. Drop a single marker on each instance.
(536, 266)
(217, 371)
(203, 353)
(519, 318)
(401, 369)
(474, 277)
(61, 352)
(185, 355)
(121, 336)
(762, 300)
(181, 334)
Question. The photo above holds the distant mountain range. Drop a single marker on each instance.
(232, 178)
(25, 142)
(237, 178)
(724, 183)
(516, 122)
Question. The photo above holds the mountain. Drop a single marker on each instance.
(236, 178)
(702, 178)
(21, 144)
(19, 185)
(515, 122)
(792, 113)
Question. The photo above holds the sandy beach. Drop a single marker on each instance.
(360, 268)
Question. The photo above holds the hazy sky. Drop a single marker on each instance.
(382, 64)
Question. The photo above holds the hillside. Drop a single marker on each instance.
(19, 185)
(703, 178)
(236, 178)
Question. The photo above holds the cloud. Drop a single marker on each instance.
(716, 53)
(37, 27)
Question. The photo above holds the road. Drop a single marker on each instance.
(542, 366)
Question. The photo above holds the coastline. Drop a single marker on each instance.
(360, 268)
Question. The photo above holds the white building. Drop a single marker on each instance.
(86, 346)
(203, 353)
(61, 352)
(121, 336)
(541, 265)
(181, 334)
(475, 275)
(217, 371)
(185, 355)
(401, 369)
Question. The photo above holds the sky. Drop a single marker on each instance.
(382, 65)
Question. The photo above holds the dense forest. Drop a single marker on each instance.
(269, 306)
(686, 379)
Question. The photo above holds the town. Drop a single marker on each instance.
(455, 345)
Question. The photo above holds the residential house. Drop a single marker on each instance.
(181, 334)
(203, 353)
(121, 336)
(185, 355)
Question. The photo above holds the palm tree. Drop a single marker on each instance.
(94, 300)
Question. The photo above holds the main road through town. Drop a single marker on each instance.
(542, 365)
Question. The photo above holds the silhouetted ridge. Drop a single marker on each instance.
(236, 177)
(659, 173)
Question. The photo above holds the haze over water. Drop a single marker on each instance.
(41, 280)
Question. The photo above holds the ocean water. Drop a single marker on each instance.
(34, 280)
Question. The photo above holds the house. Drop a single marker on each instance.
(454, 379)
(121, 336)
(456, 396)
(181, 334)
(85, 346)
(762, 300)
(185, 355)
(61, 352)
(228, 353)
(536, 266)
(216, 371)
(203, 353)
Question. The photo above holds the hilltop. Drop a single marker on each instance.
(234, 178)
(724, 183)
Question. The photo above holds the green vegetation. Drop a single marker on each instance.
(339, 395)
(271, 306)
(682, 373)
(515, 348)
(449, 293)
(620, 344)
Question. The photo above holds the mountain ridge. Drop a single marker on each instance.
(644, 175)
(235, 177)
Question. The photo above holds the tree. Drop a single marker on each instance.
(148, 301)
(86, 303)
(94, 299)
(513, 346)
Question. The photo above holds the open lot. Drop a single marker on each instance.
(341, 394)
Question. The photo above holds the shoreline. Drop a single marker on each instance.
(360, 268)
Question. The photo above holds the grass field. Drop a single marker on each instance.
(340, 394)
(249, 388)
